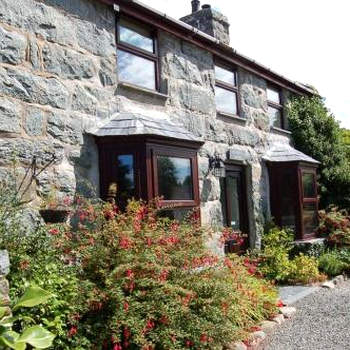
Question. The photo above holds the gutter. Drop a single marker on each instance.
(247, 62)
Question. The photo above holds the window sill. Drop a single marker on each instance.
(281, 131)
(230, 116)
(140, 89)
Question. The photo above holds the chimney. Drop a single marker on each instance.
(209, 21)
(195, 5)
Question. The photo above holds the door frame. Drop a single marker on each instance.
(239, 172)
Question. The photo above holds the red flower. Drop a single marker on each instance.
(126, 306)
(54, 231)
(150, 325)
(126, 333)
(129, 273)
(203, 338)
(279, 303)
(117, 347)
(125, 243)
(163, 276)
(72, 331)
(188, 343)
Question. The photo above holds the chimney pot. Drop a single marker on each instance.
(195, 5)
(206, 6)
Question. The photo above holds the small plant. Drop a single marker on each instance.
(335, 226)
(334, 262)
(275, 261)
(36, 336)
(53, 201)
(305, 270)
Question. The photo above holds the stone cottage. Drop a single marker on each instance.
(139, 104)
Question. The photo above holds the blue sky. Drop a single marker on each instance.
(304, 40)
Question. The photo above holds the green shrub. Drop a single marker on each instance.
(157, 286)
(335, 262)
(335, 226)
(305, 270)
(275, 261)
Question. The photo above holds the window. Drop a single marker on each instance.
(175, 176)
(226, 91)
(137, 55)
(310, 201)
(275, 108)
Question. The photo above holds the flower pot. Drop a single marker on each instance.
(54, 216)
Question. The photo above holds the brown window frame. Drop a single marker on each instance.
(178, 152)
(134, 50)
(278, 106)
(304, 200)
(233, 88)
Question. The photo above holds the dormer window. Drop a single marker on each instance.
(275, 108)
(226, 90)
(137, 54)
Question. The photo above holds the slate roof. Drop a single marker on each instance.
(286, 153)
(127, 124)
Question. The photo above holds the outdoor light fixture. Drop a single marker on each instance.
(217, 165)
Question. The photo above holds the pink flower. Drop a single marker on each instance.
(54, 231)
(72, 331)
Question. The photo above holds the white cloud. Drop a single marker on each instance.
(304, 40)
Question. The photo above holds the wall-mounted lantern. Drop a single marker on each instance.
(217, 166)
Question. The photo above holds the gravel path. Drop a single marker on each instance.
(322, 322)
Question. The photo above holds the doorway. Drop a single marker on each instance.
(234, 203)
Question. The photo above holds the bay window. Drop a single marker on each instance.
(294, 200)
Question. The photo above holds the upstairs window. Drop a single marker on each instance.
(137, 54)
(226, 90)
(275, 108)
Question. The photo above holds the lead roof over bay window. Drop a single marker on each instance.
(137, 54)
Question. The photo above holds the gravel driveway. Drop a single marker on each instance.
(322, 322)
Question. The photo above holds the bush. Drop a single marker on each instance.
(335, 226)
(305, 270)
(332, 264)
(156, 285)
(275, 260)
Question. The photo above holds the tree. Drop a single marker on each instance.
(316, 133)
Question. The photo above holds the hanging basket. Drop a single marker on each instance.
(54, 216)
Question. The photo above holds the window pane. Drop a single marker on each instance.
(226, 101)
(273, 95)
(310, 217)
(275, 116)
(287, 198)
(136, 36)
(175, 178)
(233, 201)
(136, 70)
(125, 178)
(309, 185)
(225, 75)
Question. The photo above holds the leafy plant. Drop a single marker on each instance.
(332, 264)
(157, 285)
(335, 226)
(275, 261)
(36, 336)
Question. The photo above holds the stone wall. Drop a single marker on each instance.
(58, 78)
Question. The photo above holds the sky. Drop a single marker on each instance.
(304, 40)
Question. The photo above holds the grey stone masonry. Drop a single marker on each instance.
(59, 79)
(210, 22)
